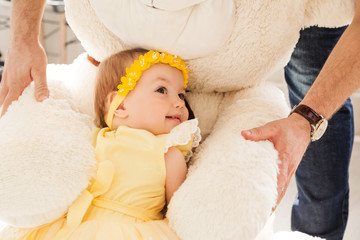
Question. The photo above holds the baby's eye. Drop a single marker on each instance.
(182, 96)
(162, 90)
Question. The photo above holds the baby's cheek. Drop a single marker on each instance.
(186, 115)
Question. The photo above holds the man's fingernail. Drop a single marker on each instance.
(42, 98)
(247, 132)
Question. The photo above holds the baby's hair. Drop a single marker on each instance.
(108, 78)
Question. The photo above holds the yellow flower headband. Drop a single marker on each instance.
(133, 74)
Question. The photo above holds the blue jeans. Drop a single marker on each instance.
(321, 205)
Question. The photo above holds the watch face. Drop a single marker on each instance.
(320, 129)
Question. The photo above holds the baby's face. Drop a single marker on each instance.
(157, 103)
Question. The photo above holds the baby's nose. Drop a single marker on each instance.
(179, 103)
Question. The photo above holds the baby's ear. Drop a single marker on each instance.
(121, 112)
(110, 97)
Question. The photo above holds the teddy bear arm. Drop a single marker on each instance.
(231, 186)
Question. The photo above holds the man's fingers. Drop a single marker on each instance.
(258, 134)
(41, 88)
(4, 88)
(3, 93)
(10, 97)
(4, 108)
(281, 189)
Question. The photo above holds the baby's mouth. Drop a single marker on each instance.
(175, 117)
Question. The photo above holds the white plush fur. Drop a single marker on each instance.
(79, 80)
(47, 157)
(231, 186)
(268, 234)
(293, 236)
(90, 31)
(329, 13)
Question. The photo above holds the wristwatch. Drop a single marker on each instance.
(317, 122)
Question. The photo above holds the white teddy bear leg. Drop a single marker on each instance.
(47, 157)
(231, 187)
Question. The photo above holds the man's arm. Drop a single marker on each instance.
(338, 79)
(26, 59)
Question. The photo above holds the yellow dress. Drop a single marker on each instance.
(125, 199)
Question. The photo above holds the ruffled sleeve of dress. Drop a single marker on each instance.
(185, 137)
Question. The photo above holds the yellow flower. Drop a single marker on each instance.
(144, 62)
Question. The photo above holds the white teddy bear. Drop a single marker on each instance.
(231, 48)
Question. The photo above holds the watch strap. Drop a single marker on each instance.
(308, 113)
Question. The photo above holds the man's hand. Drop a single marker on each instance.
(290, 137)
(24, 63)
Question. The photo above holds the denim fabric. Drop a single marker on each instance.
(321, 205)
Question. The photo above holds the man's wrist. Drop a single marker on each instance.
(30, 41)
(301, 123)
(318, 123)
